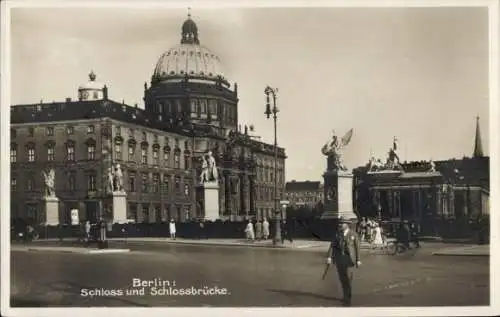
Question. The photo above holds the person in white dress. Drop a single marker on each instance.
(172, 229)
(378, 242)
(265, 229)
(250, 233)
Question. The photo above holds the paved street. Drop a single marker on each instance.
(251, 276)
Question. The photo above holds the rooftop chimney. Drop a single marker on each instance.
(68, 99)
(105, 92)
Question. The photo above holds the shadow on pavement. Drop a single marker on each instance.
(21, 302)
(307, 294)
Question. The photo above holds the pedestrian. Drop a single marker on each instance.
(368, 231)
(344, 253)
(265, 229)
(414, 234)
(201, 234)
(87, 232)
(378, 242)
(102, 234)
(362, 226)
(172, 229)
(249, 231)
(258, 230)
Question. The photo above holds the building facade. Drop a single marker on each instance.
(426, 192)
(305, 193)
(189, 109)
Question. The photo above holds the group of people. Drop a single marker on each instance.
(371, 231)
(257, 231)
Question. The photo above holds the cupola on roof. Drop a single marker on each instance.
(188, 58)
(91, 84)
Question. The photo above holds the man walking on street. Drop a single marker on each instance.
(344, 253)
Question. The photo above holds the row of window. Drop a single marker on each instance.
(49, 131)
(176, 212)
(266, 174)
(266, 193)
(147, 184)
(91, 154)
(304, 194)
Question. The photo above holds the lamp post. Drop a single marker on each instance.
(271, 92)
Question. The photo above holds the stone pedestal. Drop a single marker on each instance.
(338, 202)
(211, 201)
(51, 209)
(119, 207)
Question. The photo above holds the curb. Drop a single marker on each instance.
(206, 244)
(108, 251)
(78, 251)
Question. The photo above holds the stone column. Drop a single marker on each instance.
(227, 193)
(251, 195)
(390, 200)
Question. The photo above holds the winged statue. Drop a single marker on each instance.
(333, 149)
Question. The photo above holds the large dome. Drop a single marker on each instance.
(188, 58)
(191, 59)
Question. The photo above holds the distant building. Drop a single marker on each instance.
(306, 193)
(190, 108)
(426, 192)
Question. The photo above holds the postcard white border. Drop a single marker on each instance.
(494, 131)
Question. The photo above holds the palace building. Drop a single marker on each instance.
(425, 192)
(190, 108)
(304, 193)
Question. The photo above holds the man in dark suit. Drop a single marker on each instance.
(344, 253)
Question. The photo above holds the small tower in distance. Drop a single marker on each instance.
(478, 144)
(92, 90)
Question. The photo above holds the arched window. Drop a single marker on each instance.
(91, 149)
(177, 158)
(144, 153)
(70, 151)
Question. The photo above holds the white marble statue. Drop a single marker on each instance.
(110, 182)
(393, 161)
(375, 165)
(432, 167)
(333, 150)
(204, 170)
(213, 175)
(118, 178)
(49, 180)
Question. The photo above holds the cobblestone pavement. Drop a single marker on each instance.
(250, 276)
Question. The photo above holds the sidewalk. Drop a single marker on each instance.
(297, 244)
(471, 250)
(61, 249)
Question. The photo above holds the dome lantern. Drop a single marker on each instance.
(189, 31)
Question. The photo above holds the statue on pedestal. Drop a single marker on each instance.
(333, 150)
(209, 171)
(118, 178)
(110, 181)
(49, 180)
(204, 170)
(213, 175)
(393, 162)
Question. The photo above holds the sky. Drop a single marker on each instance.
(420, 74)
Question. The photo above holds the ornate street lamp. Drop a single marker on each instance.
(271, 92)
